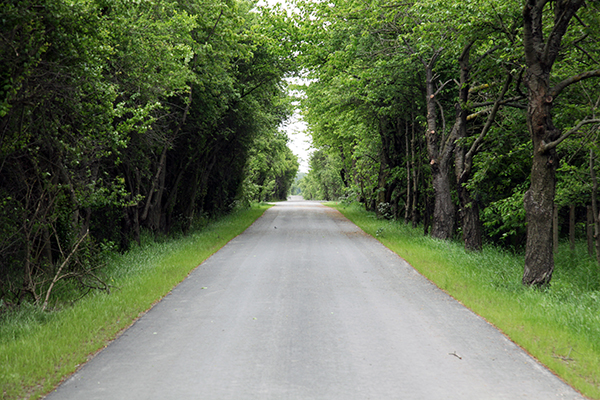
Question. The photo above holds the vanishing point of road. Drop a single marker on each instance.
(304, 305)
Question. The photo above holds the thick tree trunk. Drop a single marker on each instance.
(539, 199)
(471, 225)
(540, 54)
(439, 151)
(443, 211)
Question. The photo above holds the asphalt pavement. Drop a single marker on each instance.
(304, 305)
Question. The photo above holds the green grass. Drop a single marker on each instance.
(39, 349)
(559, 325)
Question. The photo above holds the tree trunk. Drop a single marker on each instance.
(443, 211)
(427, 216)
(471, 225)
(463, 159)
(572, 227)
(408, 176)
(382, 179)
(595, 215)
(555, 228)
(155, 186)
(539, 203)
(416, 173)
(539, 199)
(439, 151)
(590, 231)
(540, 54)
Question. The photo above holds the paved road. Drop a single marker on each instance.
(304, 305)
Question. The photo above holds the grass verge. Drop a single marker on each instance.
(559, 325)
(39, 349)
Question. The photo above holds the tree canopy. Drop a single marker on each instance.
(476, 119)
(128, 115)
(472, 119)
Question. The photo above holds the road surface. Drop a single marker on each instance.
(304, 305)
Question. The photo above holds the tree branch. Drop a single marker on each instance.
(548, 146)
(490, 120)
(442, 87)
(487, 53)
(586, 53)
(57, 276)
(563, 12)
(212, 32)
(503, 102)
(555, 91)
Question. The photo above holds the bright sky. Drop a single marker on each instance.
(295, 128)
(299, 140)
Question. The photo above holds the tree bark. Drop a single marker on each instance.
(540, 55)
(443, 211)
(439, 150)
(155, 182)
(539, 206)
(463, 160)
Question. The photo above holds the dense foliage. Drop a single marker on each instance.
(473, 118)
(123, 115)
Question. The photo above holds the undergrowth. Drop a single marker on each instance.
(38, 349)
(559, 324)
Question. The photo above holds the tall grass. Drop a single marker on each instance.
(559, 325)
(38, 349)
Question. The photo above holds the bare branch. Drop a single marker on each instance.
(442, 86)
(57, 276)
(586, 53)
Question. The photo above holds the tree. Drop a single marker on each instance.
(271, 168)
(323, 181)
(543, 45)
